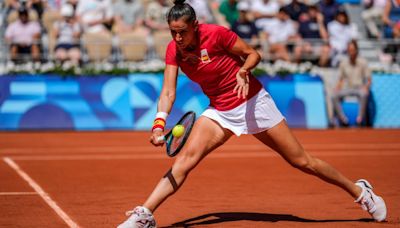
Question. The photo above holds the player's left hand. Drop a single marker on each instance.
(242, 86)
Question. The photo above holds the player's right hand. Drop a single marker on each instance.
(155, 136)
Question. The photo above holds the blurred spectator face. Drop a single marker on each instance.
(282, 15)
(163, 2)
(312, 12)
(23, 16)
(342, 18)
(352, 50)
(243, 8)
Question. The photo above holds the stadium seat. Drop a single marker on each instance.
(133, 46)
(161, 40)
(49, 17)
(98, 46)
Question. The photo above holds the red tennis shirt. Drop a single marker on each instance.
(212, 66)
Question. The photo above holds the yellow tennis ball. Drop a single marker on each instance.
(178, 130)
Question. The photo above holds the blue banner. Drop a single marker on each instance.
(130, 102)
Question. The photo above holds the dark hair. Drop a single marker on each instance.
(343, 13)
(181, 10)
(354, 43)
(284, 10)
(22, 11)
(313, 7)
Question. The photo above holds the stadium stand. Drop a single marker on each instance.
(115, 47)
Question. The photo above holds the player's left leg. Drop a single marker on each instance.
(281, 139)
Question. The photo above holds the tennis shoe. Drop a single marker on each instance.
(370, 202)
(140, 217)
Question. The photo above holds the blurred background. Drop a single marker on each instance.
(97, 64)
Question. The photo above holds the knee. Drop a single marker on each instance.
(185, 162)
(304, 163)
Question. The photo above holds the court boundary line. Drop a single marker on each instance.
(216, 155)
(53, 205)
(248, 147)
(18, 193)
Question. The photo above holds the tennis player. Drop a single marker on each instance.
(220, 62)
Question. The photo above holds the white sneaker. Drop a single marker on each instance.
(370, 202)
(140, 217)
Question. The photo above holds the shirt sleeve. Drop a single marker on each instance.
(226, 38)
(170, 54)
(9, 32)
(36, 27)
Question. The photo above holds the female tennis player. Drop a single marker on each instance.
(220, 62)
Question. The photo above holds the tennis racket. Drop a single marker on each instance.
(175, 144)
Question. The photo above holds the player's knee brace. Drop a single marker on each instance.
(171, 179)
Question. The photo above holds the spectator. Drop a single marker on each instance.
(391, 18)
(155, 15)
(328, 8)
(354, 80)
(279, 32)
(202, 11)
(11, 13)
(95, 15)
(245, 28)
(67, 32)
(23, 36)
(296, 9)
(340, 32)
(372, 13)
(129, 16)
(312, 30)
(264, 11)
(228, 8)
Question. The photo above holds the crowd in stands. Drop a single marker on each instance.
(290, 30)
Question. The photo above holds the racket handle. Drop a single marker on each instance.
(161, 138)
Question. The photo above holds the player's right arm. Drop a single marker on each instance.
(166, 99)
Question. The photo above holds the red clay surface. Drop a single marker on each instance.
(95, 177)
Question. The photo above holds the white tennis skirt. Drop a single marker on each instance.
(256, 115)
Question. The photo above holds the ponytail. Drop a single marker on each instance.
(181, 10)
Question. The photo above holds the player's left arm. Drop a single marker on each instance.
(251, 59)
(251, 56)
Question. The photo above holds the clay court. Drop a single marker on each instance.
(89, 179)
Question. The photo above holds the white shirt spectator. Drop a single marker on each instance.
(280, 31)
(66, 32)
(269, 8)
(20, 33)
(340, 35)
(155, 15)
(91, 11)
(130, 11)
(376, 3)
(201, 8)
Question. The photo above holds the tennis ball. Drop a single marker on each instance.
(178, 130)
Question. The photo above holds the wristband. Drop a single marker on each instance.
(162, 115)
(159, 121)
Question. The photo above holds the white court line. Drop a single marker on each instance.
(17, 193)
(41, 192)
(241, 147)
(211, 156)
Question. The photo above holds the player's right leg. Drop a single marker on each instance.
(206, 136)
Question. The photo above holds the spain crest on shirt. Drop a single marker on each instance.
(205, 58)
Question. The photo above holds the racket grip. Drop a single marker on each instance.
(161, 138)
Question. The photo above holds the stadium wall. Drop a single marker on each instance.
(129, 103)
